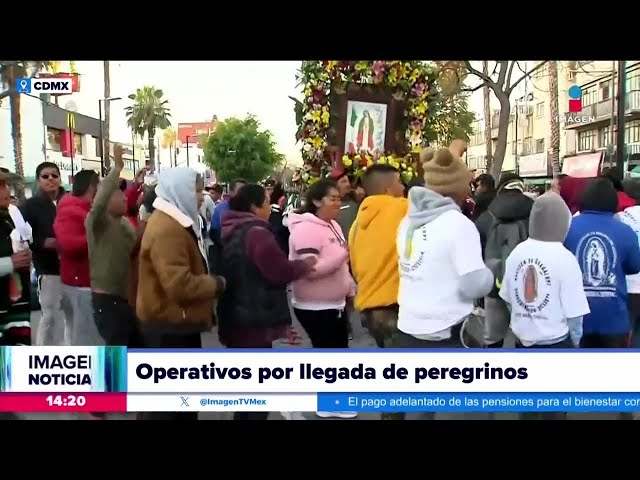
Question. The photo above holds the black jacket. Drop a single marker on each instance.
(249, 300)
(508, 206)
(40, 212)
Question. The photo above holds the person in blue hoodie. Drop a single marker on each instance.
(607, 251)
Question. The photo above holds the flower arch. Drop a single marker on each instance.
(411, 81)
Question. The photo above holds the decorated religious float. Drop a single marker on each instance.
(358, 113)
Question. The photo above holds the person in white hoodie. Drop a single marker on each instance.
(440, 260)
(542, 285)
(631, 216)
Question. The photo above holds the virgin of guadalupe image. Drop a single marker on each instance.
(595, 263)
(364, 138)
(530, 284)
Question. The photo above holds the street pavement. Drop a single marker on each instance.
(361, 339)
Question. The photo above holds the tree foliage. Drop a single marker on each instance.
(238, 149)
(453, 120)
(10, 72)
(504, 77)
(148, 113)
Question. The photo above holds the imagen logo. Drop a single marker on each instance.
(574, 117)
(575, 99)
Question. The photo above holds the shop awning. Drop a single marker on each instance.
(582, 166)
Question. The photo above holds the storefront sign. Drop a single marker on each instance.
(535, 165)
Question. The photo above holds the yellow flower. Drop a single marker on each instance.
(416, 148)
(409, 174)
(307, 92)
(421, 108)
(318, 142)
(395, 164)
(315, 115)
(331, 65)
(346, 161)
(409, 169)
(382, 160)
(357, 158)
(325, 116)
(369, 161)
(414, 74)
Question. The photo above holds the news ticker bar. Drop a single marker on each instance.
(353, 402)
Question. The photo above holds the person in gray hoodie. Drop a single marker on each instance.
(542, 285)
(440, 259)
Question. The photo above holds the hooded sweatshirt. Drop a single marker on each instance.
(330, 282)
(631, 216)
(441, 266)
(372, 248)
(607, 250)
(71, 234)
(543, 281)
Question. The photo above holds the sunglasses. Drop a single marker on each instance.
(47, 175)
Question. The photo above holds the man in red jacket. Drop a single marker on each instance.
(71, 235)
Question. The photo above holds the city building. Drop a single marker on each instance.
(45, 128)
(529, 131)
(189, 146)
(584, 137)
(591, 138)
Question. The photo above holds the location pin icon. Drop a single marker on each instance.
(23, 84)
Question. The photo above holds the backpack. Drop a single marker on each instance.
(502, 238)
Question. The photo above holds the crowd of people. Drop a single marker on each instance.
(445, 262)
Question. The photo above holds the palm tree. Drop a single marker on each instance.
(552, 67)
(169, 137)
(148, 113)
(10, 71)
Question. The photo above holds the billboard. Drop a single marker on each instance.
(194, 130)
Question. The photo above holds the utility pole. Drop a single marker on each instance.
(622, 106)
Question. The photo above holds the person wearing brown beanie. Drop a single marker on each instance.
(440, 259)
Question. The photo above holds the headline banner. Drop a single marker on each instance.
(114, 369)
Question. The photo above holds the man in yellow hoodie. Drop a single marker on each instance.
(372, 247)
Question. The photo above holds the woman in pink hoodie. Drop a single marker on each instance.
(319, 298)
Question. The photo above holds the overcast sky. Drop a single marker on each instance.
(198, 90)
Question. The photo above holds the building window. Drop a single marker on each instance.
(53, 139)
(98, 147)
(78, 142)
(589, 96)
(540, 146)
(633, 80)
(604, 136)
(605, 90)
(540, 110)
(586, 140)
(632, 132)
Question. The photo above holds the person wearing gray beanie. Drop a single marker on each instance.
(542, 285)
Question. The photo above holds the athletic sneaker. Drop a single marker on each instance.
(292, 415)
(337, 414)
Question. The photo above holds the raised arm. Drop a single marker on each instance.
(98, 215)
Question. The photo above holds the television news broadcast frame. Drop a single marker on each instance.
(114, 379)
